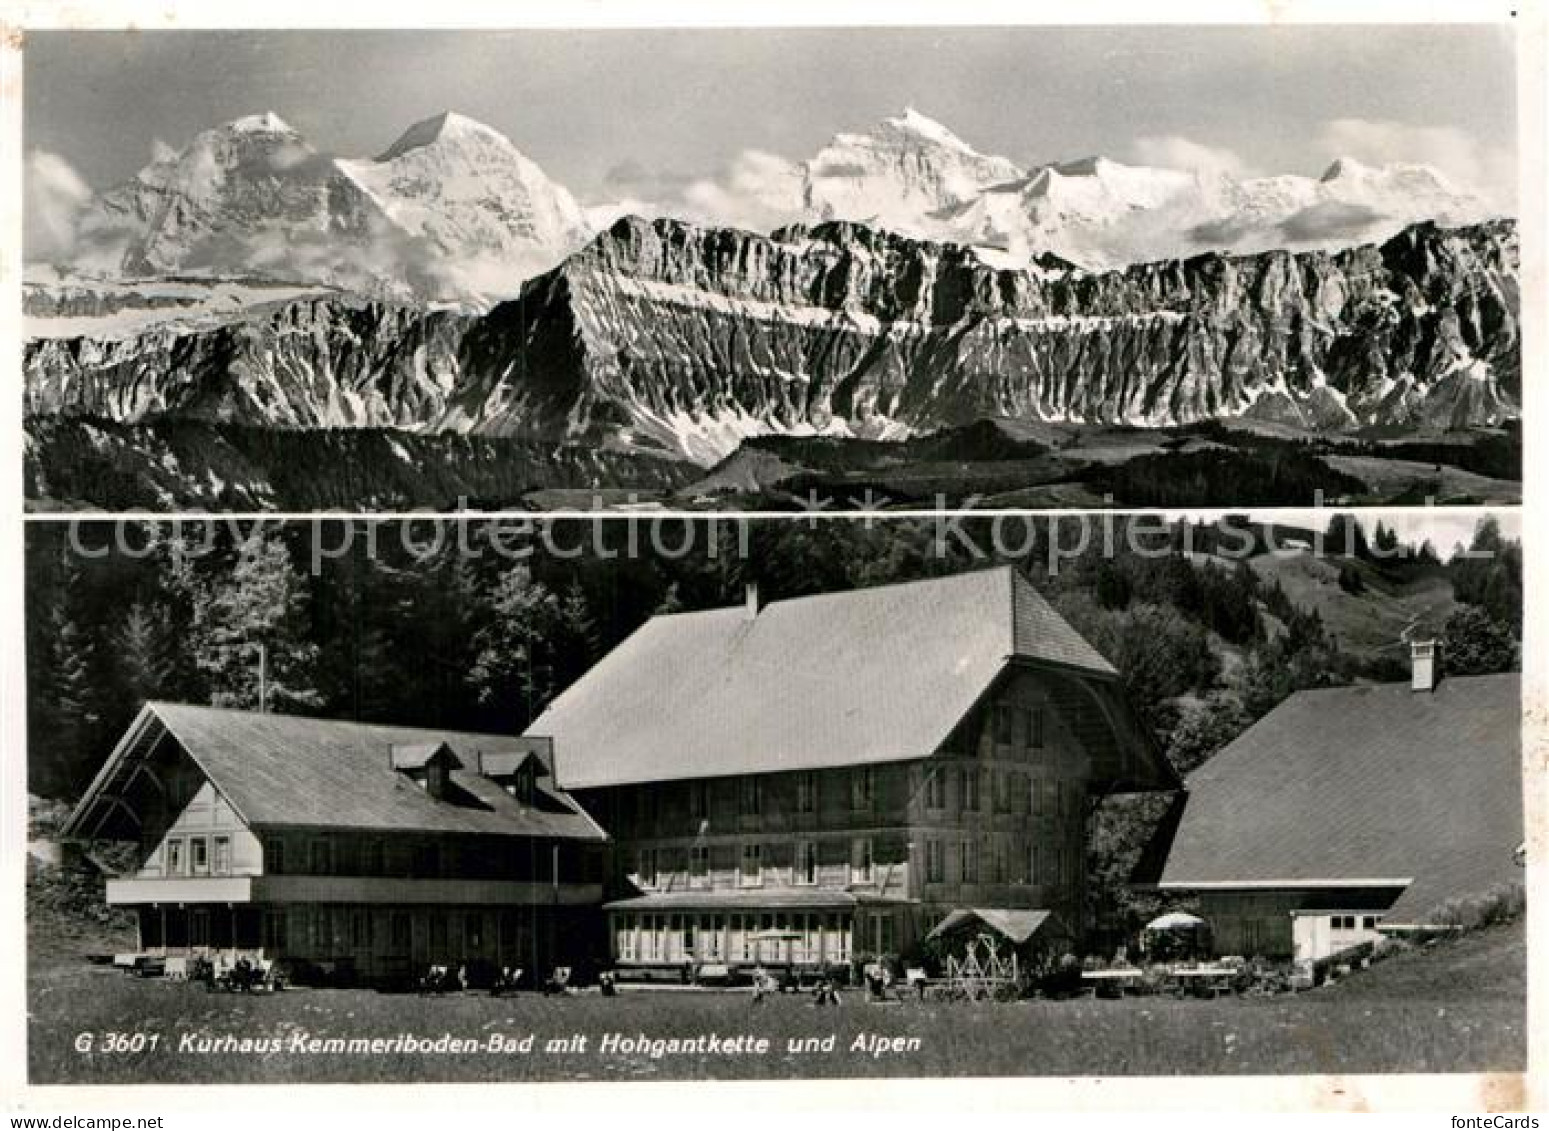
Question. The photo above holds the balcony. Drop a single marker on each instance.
(346, 889)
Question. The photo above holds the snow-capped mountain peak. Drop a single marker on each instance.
(445, 128)
(915, 124)
(1343, 168)
(267, 122)
(906, 174)
(486, 211)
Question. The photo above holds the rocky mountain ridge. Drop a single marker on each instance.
(667, 338)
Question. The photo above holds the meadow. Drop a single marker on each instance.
(1454, 1007)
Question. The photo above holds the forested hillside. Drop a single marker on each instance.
(478, 624)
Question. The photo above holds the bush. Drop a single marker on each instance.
(1500, 904)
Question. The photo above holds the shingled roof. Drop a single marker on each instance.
(837, 679)
(1364, 783)
(285, 770)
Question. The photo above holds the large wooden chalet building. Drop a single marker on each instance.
(820, 779)
(367, 852)
(799, 784)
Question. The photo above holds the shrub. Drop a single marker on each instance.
(1500, 904)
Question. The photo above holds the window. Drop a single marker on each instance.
(862, 866)
(199, 855)
(322, 858)
(438, 934)
(222, 856)
(525, 787)
(275, 940)
(1057, 867)
(1003, 791)
(1369, 923)
(1344, 922)
(1032, 863)
(935, 787)
(698, 800)
(882, 932)
(360, 930)
(1035, 728)
(935, 871)
(199, 928)
(274, 856)
(806, 862)
(402, 931)
(174, 857)
(645, 867)
(1002, 721)
(699, 861)
(970, 862)
(807, 792)
(371, 858)
(998, 865)
(970, 788)
(750, 796)
(862, 786)
(427, 860)
(750, 872)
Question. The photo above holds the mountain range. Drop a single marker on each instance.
(453, 212)
(666, 338)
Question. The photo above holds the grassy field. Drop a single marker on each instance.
(1455, 1007)
(1371, 621)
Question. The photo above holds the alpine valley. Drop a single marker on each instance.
(249, 324)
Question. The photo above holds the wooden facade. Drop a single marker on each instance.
(820, 867)
(348, 903)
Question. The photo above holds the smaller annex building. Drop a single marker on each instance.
(354, 850)
(1350, 812)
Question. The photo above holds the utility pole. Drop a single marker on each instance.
(263, 678)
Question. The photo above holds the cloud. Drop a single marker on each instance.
(1170, 151)
(54, 197)
(1489, 170)
(1329, 221)
(755, 190)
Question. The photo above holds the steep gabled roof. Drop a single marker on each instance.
(1366, 783)
(284, 770)
(853, 678)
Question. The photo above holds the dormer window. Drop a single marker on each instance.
(428, 765)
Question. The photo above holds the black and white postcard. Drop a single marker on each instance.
(794, 554)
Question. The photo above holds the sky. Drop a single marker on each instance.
(1445, 528)
(608, 113)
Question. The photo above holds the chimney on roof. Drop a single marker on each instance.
(1425, 664)
(751, 597)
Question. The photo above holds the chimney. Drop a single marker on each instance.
(1425, 659)
(752, 600)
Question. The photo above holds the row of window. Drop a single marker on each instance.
(324, 930)
(197, 856)
(1006, 862)
(1353, 922)
(751, 863)
(775, 937)
(1011, 791)
(353, 856)
(1019, 727)
(862, 785)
